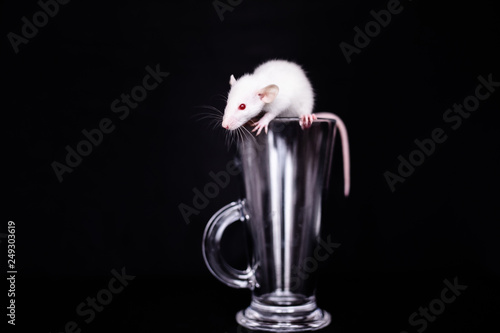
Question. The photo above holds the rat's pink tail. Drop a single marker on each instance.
(345, 148)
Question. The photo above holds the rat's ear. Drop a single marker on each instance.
(269, 93)
(232, 80)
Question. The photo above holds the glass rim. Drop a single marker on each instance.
(290, 119)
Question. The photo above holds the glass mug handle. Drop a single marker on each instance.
(214, 260)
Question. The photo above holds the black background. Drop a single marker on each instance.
(119, 207)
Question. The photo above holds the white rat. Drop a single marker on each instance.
(279, 88)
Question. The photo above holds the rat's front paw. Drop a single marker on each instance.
(306, 120)
(259, 125)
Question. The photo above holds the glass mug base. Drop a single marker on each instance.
(284, 312)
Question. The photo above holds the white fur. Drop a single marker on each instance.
(295, 96)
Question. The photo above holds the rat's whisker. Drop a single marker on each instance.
(212, 123)
(223, 97)
(219, 97)
(248, 134)
(226, 139)
(235, 137)
(240, 135)
(216, 123)
(213, 113)
(211, 120)
(209, 107)
(203, 116)
(232, 136)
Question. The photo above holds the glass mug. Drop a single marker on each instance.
(285, 175)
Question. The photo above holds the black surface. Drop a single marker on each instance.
(119, 207)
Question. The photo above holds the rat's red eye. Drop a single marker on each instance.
(242, 107)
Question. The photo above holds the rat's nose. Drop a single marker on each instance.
(225, 125)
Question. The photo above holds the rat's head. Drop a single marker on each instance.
(246, 100)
